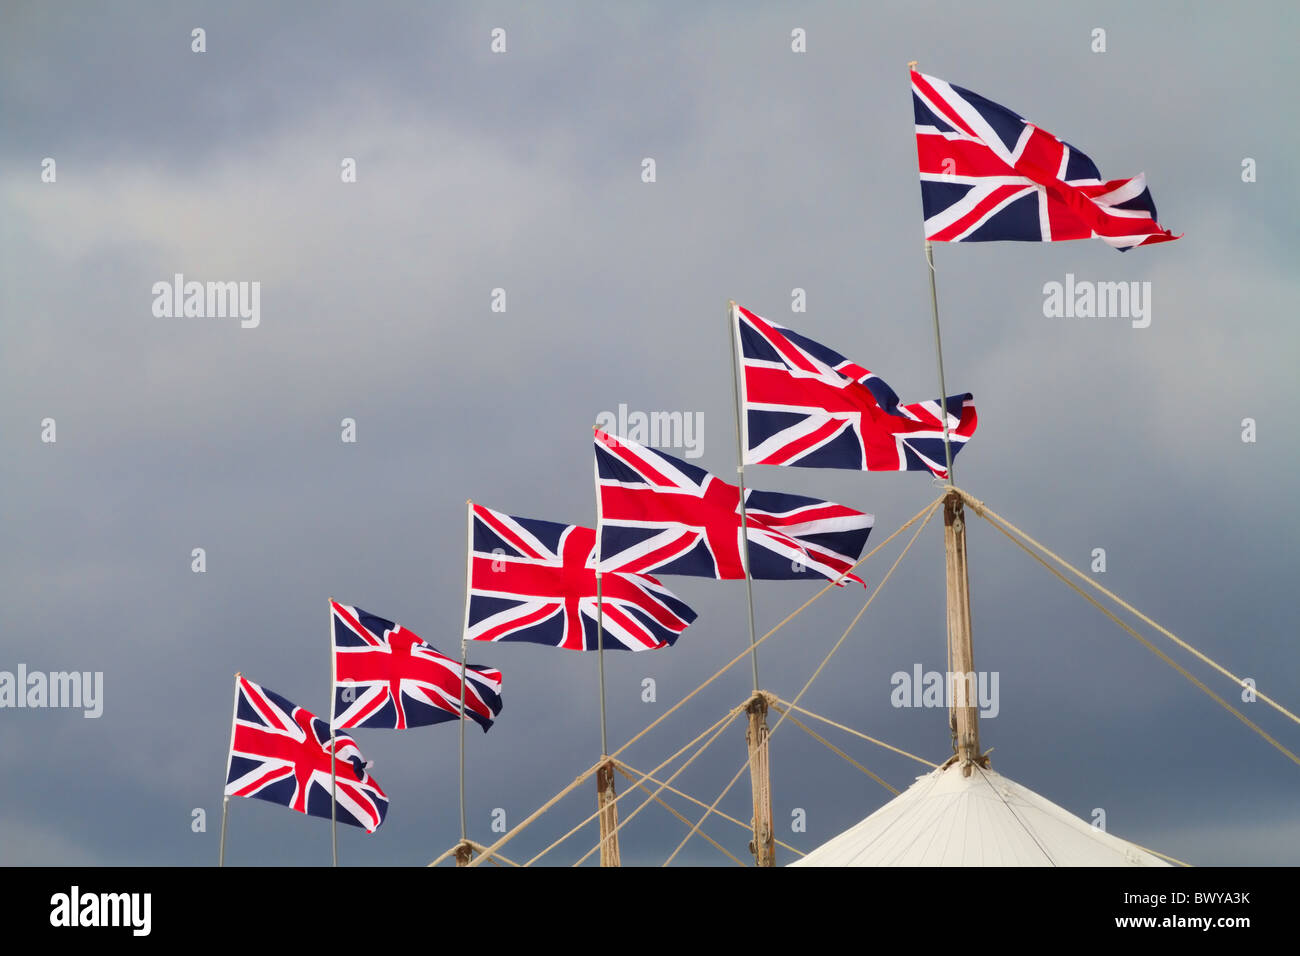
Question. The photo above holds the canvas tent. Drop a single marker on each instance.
(984, 819)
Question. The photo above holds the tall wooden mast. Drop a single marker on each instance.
(609, 855)
(760, 781)
(963, 714)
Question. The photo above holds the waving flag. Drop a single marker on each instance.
(658, 513)
(385, 676)
(987, 174)
(535, 581)
(281, 753)
(809, 406)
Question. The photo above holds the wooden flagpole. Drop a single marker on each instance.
(605, 794)
(334, 823)
(756, 735)
(963, 709)
(225, 797)
(760, 781)
(963, 714)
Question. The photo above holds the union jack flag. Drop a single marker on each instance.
(281, 753)
(987, 174)
(658, 513)
(535, 581)
(385, 676)
(809, 406)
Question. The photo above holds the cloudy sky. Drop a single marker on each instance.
(522, 171)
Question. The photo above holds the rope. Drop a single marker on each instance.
(790, 617)
(483, 849)
(477, 846)
(720, 723)
(674, 812)
(700, 803)
(985, 512)
(622, 823)
(928, 512)
(445, 855)
(1029, 831)
(506, 838)
(820, 739)
(888, 574)
(856, 733)
(1161, 855)
(725, 791)
(739, 657)
(995, 521)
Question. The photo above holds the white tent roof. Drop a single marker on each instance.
(946, 819)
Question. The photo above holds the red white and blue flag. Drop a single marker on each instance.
(659, 513)
(809, 406)
(989, 174)
(280, 752)
(386, 676)
(535, 581)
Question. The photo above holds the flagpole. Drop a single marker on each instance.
(462, 740)
(600, 620)
(600, 655)
(606, 807)
(463, 853)
(740, 470)
(756, 736)
(225, 798)
(221, 853)
(334, 823)
(963, 720)
(938, 343)
(469, 558)
(938, 350)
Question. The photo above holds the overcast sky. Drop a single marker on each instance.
(522, 171)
